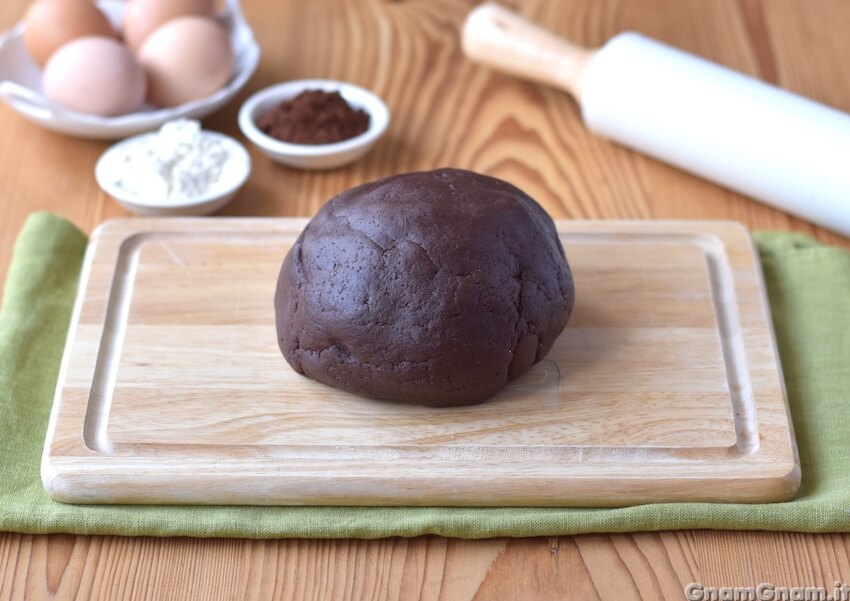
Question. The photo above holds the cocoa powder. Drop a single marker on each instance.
(314, 117)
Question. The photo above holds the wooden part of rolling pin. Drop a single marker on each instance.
(785, 150)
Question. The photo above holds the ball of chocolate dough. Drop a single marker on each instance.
(436, 288)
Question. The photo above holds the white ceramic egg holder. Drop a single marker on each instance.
(20, 84)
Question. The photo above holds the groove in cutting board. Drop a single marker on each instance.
(665, 385)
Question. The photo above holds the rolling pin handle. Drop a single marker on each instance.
(504, 40)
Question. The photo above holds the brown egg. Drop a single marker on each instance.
(50, 24)
(95, 75)
(143, 17)
(186, 59)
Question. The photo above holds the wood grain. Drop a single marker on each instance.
(677, 310)
(665, 386)
(447, 113)
(622, 566)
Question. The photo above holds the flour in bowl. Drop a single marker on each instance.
(180, 162)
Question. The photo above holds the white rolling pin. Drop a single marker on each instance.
(757, 139)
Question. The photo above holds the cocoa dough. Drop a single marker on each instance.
(435, 288)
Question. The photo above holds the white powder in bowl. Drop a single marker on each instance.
(180, 162)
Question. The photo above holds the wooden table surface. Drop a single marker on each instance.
(447, 112)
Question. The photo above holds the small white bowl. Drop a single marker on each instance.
(211, 202)
(20, 84)
(314, 156)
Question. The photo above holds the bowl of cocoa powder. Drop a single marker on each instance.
(314, 123)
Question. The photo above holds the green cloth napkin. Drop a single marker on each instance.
(809, 288)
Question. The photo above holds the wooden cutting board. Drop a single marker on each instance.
(665, 386)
